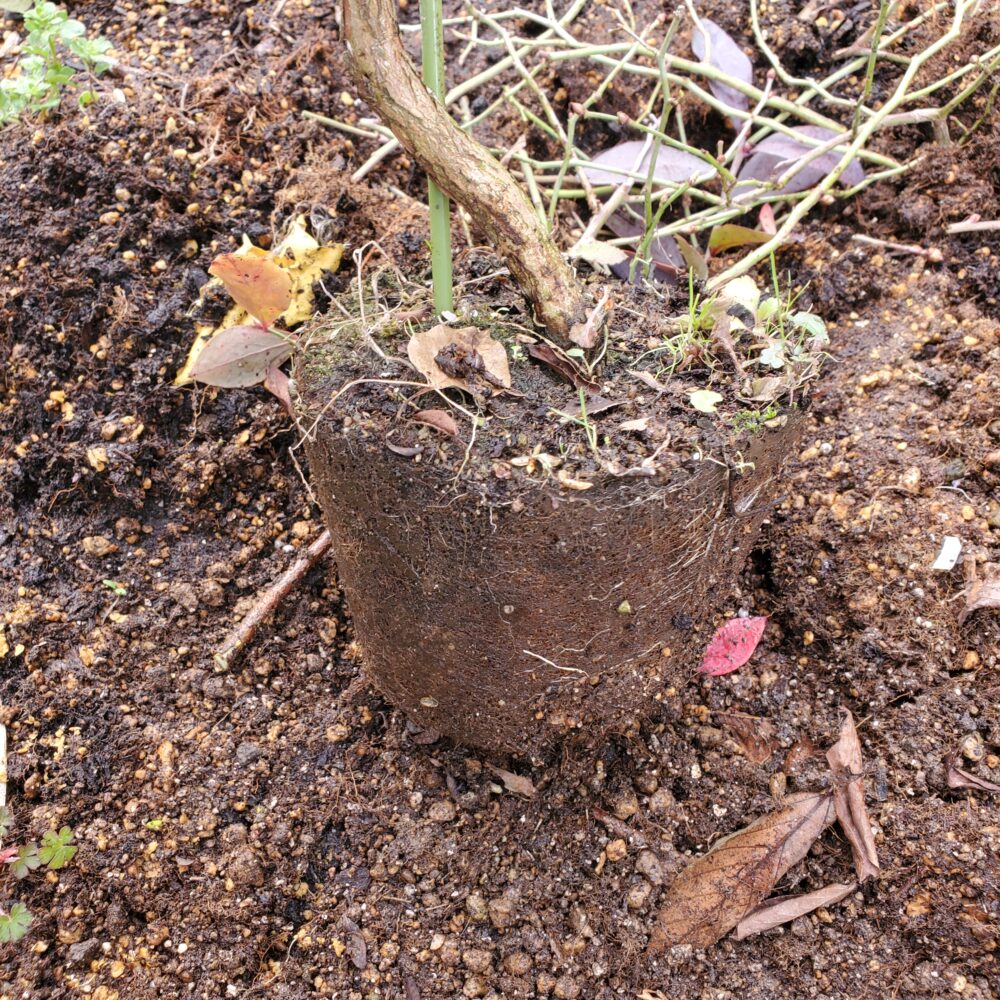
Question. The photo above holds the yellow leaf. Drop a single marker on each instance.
(705, 400)
(301, 257)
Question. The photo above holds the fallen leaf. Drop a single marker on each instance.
(641, 424)
(276, 383)
(593, 405)
(732, 645)
(774, 154)
(596, 252)
(404, 450)
(767, 221)
(694, 260)
(240, 356)
(558, 361)
(981, 592)
(516, 783)
(958, 777)
(705, 400)
(718, 49)
(573, 484)
(712, 895)
(847, 766)
(673, 166)
(305, 262)
(755, 736)
(664, 254)
(440, 420)
(783, 909)
(730, 235)
(470, 342)
(257, 283)
(767, 389)
(649, 380)
(738, 299)
(357, 950)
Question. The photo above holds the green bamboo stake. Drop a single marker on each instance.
(432, 50)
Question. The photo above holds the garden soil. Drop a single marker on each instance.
(277, 830)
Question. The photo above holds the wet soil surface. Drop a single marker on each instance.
(277, 830)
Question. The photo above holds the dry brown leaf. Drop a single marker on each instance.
(754, 735)
(440, 420)
(958, 777)
(558, 361)
(516, 783)
(981, 592)
(640, 424)
(592, 405)
(783, 909)
(712, 895)
(845, 761)
(650, 380)
(425, 346)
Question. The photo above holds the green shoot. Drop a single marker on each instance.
(57, 849)
(432, 42)
(42, 73)
(14, 925)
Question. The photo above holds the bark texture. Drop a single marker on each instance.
(459, 165)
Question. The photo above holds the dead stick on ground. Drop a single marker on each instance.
(240, 636)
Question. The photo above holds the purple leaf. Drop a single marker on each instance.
(663, 251)
(240, 356)
(717, 49)
(769, 160)
(672, 165)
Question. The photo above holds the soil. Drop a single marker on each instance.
(278, 830)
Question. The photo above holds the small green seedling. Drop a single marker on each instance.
(115, 587)
(54, 50)
(55, 851)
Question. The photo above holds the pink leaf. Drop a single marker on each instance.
(7, 853)
(240, 356)
(732, 645)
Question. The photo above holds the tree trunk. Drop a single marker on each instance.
(459, 165)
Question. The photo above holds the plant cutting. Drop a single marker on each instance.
(531, 510)
(535, 495)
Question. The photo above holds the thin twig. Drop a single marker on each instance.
(243, 634)
(973, 225)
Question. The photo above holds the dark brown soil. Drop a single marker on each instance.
(278, 830)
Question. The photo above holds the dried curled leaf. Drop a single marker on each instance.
(240, 356)
(845, 761)
(958, 777)
(486, 358)
(257, 283)
(719, 50)
(756, 736)
(712, 895)
(982, 592)
(732, 645)
(784, 909)
(560, 362)
(774, 154)
(440, 420)
(516, 783)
